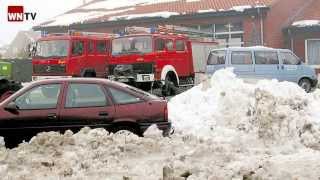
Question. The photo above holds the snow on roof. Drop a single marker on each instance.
(114, 4)
(164, 14)
(80, 17)
(306, 23)
(206, 10)
(241, 8)
(109, 10)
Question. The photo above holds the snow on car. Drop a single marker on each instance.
(225, 129)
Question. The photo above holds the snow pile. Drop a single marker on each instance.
(225, 106)
(305, 23)
(225, 129)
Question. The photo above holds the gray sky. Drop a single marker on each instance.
(45, 9)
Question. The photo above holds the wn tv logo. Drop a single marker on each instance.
(17, 14)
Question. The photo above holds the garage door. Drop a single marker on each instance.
(313, 52)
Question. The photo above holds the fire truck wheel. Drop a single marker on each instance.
(89, 74)
(168, 89)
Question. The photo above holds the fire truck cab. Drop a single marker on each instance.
(166, 60)
(75, 54)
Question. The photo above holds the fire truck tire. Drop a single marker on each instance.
(89, 74)
(169, 88)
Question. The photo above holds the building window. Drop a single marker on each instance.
(227, 34)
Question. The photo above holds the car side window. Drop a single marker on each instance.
(77, 48)
(160, 44)
(121, 97)
(169, 45)
(40, 97)
(241, 58)
(266, 57)
(101, 47)
(217, 57)
(85, 95)
(180, 45)
(289, 59)
(91, 47)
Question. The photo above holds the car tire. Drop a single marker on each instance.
(133, 129)
(305, 84)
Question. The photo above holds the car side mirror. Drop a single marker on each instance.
(11, 107)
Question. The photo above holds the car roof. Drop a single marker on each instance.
(252, 48)
(78, 80)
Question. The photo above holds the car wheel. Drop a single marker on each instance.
(134, 130)
(305, 84)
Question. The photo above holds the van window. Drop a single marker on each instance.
(160, 44)
(217, 57)
(91, 47)
(289, 58)
(265, 57)
(169, 45)
(241, 57)
(180, 45)
(101, 47)
(77, 48)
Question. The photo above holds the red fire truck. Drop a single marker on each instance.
(167, 57)
(73, 54)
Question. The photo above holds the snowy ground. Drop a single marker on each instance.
(225, 129)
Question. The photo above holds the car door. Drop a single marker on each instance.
(290, 66)
(129, 107)
(242, 63)
(37, 109)
(267, 65)
(86, 104)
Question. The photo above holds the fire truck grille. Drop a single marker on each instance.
(130, 69)
(47, 69)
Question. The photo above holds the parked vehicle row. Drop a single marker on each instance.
(72, 103)
(143, 59)
(256, 63)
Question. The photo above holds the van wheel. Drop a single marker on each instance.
(169, 88)
(305, 84)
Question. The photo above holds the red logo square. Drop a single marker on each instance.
(15, 13)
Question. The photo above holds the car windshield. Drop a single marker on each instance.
(52, 49)
(132, 45)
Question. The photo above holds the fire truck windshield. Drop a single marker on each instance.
(52, 49)
(132, 45)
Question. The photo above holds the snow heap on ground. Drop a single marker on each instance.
(225, 129)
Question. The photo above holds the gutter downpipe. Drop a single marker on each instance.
(261, 27)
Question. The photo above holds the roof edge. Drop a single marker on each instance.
(246, 12)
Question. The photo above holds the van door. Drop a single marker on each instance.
(290, 66)
(243, 64)
(267, 65)
(216, 61)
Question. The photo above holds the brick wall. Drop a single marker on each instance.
(281, 14)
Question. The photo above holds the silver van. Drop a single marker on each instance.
(256, 63)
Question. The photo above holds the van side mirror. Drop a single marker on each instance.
(11, 107)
